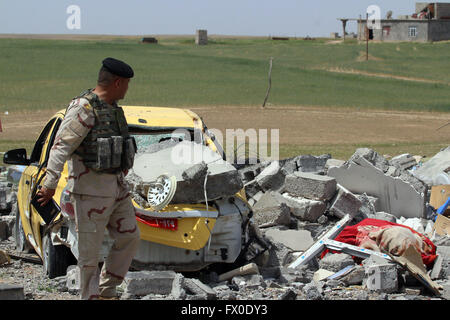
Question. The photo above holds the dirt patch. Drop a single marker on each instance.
(381, 75)
(298, 125)
(313, 125)
(24, 125)
(334, 42)
(363, 57)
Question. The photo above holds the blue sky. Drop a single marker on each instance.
(231, 17)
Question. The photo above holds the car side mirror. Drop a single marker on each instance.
(16, 156)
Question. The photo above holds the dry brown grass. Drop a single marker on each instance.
(303, 129)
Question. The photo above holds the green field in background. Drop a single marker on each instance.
(43, 74)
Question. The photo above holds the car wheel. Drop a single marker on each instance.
(56, 259)
(21, 241)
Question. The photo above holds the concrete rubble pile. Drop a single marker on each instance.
(193, 173)
(295, 202)
(8, 202)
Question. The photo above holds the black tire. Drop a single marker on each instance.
(20, 240)
(56, 258)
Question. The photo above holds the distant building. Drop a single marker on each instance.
(430, 22)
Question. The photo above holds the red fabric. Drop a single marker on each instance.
(350, 235)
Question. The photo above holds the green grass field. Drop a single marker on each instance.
(43, 74)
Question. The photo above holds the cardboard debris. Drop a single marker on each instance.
(439, 195)
(442, 225)
(412, 261)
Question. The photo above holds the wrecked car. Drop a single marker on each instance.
(191, 209)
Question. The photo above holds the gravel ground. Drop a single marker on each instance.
(36, 285)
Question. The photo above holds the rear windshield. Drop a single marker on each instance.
(148, 141)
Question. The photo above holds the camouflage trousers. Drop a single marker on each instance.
(93, 216)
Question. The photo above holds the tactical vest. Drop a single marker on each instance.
(108, 147)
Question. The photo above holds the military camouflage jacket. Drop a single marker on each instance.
(77, 123)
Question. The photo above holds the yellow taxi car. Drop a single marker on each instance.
(180, 236)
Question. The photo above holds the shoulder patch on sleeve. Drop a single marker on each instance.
(85, 103)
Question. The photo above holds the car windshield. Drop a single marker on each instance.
(148, 141)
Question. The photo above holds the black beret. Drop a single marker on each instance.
(117, 67)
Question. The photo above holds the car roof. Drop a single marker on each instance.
(164, 117)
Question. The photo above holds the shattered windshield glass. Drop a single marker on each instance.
(148, 142)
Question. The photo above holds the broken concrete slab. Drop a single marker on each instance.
(4, 231)
(249, 172)
(252, 188)
(344, 203)
(296, 240)
(196, 172)
(374, 260)
(381, 277)
(312, 291)
(272, 177)
(302, 274)
(218, 185)
(289, 165)
(404, 161)
(178, 292)
(445, 293)
(436, 170)
(223, 291)
(142, 283)
(196, 287)
(369, 204)
(305, 209)
(333, 163)
(6, 226)
(441, 267)
(271, 210)
(310, 186)
(277, 255)
(289, 294)
(395, 195)
(309, 163)
(336, 261)
(222, 180)
(354, 277)
(372, 157)
(252, 281)
(11, 292)
(73, 279)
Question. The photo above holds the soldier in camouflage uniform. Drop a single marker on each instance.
(94, 139)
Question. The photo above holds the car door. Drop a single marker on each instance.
(32, 175)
